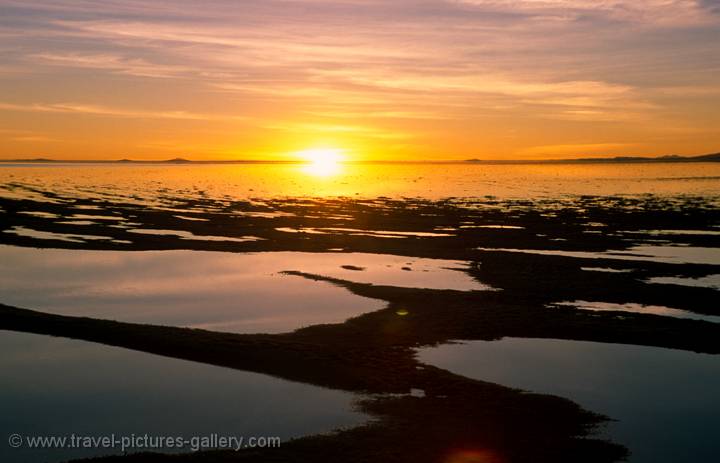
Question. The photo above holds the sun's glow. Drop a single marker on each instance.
(322, 161)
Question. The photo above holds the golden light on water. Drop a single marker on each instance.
(322, 162)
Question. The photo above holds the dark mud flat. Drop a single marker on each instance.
(454, 418)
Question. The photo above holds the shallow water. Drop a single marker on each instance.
(360, 232)
(605, 269)
(665, 400)
(212, 290)
(46, 391)
(676, 232)
(641, 253)
(185, 235)
(249, 293)
(635, 308)
(69, 237)
(152, 183)
(709, 281)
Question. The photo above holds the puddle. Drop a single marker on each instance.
(186, 235)
(636, 308)
(389, 270)
(44, 215)
(606, 269)
(336, 217)
(264, 215)
(357, 231)
(674, 232)
(194, 219)
(710, 281)
(56, 386)
(218, 291)
(663, 254)
(211, 290)
(665, 400)
(97, 217)
(80, 222)
(675, 254)
(360, 232)
(44, 235)
(310, 231)
(502, 227)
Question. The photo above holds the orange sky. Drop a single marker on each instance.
(405, 80)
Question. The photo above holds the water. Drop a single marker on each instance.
(69, 237)
(47, 390)
(219, 291)
(190, 236)
(671, 254)
(150, 183)
(596, 306)
(665, 400)
(709, 281)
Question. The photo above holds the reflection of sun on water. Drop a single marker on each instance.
(322, 162)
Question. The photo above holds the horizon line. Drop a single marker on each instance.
(618, 159)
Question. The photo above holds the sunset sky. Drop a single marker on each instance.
(378, 79)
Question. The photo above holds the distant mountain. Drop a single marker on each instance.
(134, 161)
(31, 160)
(715, 157)
(708, 157)
(167, 161)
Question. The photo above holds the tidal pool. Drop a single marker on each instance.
(186, 235)
(665, 400)
(59, 387)
(218, 291)
(709, 281)
(596, 306)
(640, 253)
(211, 290)
(45, 235)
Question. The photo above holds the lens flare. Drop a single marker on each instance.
(474, 456)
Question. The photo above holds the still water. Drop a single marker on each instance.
(665, 400)
(150, 183)
(58, 387)
(219, 291)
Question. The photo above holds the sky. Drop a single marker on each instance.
(377, 79)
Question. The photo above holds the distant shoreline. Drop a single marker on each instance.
(715, 157)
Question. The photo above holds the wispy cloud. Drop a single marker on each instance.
(665, 13)
(576, 149)
(373, 69)
(116, 63)
(76, 108)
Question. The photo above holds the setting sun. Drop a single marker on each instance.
(322, 161)
(432, 231)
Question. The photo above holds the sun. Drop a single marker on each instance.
(322, 161)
